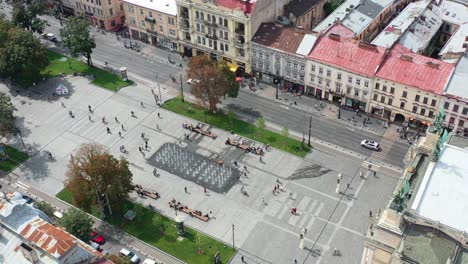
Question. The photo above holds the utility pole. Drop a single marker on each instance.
(310, 129)
(181, 89)
(277, 88)
(233, 246)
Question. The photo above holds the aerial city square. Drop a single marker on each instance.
(233, 131)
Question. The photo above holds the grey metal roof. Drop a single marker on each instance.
(299, 7)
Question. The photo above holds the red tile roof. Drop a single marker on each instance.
(416, 70)
(278, 37)
(348, 54)
(340, 29)
(247, 6)
(48, 237)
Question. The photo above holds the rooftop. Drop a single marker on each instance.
(416, 70)
(442, 195)
(246, 6)
(355, 14)
(299, 7)
(348, 54)
(454, 12)
(164, 6)
(414, 27)
(278, 37)
(339, 29)
(458, 42)
(457, 85)
(307, 44)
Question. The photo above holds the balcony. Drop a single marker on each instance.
(184, 25)
(240, 31)
(210, 24)
(213, 37)
(151, 31)
(150, 19)
(184, 14)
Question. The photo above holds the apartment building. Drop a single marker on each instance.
(278, 55)
(342, 70)
(105, 14)
(223, 29)
(456, 99)
(153, 21)
(454, 32)
(305, 14)
(408, 87)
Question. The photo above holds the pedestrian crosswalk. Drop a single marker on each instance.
(21, 185)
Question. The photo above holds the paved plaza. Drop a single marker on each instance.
(265, 229)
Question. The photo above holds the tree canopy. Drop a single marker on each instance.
(77, 223)
(230, 79)
(45, 207)
(77, 38)
(7, 119)
(213, 83)
(25, 14)
(93, 173)
(21, 54)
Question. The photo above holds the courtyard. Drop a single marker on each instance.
(265, 230)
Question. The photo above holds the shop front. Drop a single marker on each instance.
(355, 104)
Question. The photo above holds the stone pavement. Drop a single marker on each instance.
(264, 227)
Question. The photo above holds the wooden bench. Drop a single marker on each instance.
(188, 211)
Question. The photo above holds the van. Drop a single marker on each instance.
(58, 215)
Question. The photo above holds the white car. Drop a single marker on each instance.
(127, 253)
(190, 81)
(370, 144)
(149, 261)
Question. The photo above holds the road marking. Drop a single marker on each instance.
(22, 185)
(285, 107)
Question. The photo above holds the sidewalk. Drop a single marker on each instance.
(321, 107)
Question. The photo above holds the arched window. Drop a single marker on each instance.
(202, 16)
(197, 14)
(213, 18)
(220, 21)
(225, 23)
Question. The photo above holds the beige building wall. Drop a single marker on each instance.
(456, 114)
(397, 102)
(106, 14)
(152, 26)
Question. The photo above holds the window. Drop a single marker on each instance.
(446, 105)
(171, 20)
(161, 29)
(384, 88)
(465, 111)
(99, 3)
(416, 98)
(348, 90)
(415, 109)
(461, 123)
(220, 21)
(277, 59)
(313, 68)
(142, 22)
(198, 27)
(320, 70)
(302, 67)
(433, 102)
(225, 22)
(455, 108)
(260, 65)
(130, 9)
(402, 105)
(288, 74)
(208, 17)
(350, 79)
(338, 87)
(141, 11)
(295, 65)
(338, 76)
(382, 99)
(356, 92)
(226, 47)
(254, 54)
(221, 46)
(301, 77)
(377, 86)
(366, 84)
(328, 83)
(364, 94)
(267, 57)
(111, 12)
(392, 90)
(312, 79)
(404, 94)
(132, 21)
(288, 64)
(452, 120)
(375, 97)
(423, 111)
(150, 14)
(202, 16)
(172, 33)
(203, 40)
(358, 81)
(425, 99)
(320, 80)
(197, 14)
(431, 114)
(199, 40)
(390, 101)
(328, 73)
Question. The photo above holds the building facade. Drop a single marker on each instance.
(153, 22)
(278, 55)
(223, 29)
(305, 14)
(105, 14)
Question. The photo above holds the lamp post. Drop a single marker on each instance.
(277, 91)
(181, 89)
(233, 245)
(310, 130)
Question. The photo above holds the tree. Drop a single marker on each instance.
(260, 123)
(7, 119)
(93, 173)
(212, 85)
(230, 78)
(77, 223)
(76, 37)
(25, 14)
(45, 207)
(21, 54)
(285, 134)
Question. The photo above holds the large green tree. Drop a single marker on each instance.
(7, 119)
(77, 223)
(25, 14)
(45, 207)
(77, 38)
(21, 54)
(230, 80)
(93, 174)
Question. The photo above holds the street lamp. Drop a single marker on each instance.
(277, 91)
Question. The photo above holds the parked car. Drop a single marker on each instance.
(97, 238)
(49, 36)
(190, 81)
(370, 144)
(134, 259)
(149, 261)
(28, 199)
(96, 246)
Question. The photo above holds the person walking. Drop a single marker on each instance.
(142, 105)
(139, 148)
(132, 114)
(108, 130)
(120, 134)
(89, 109)
(63, 105)
(142, 135)
(146, 145)
(122, 127)
(116, 120)
(242, 259)
(103, 119)
(159, 115)
(204, 189)
(155, 172)
(89, 118)
(185, 190)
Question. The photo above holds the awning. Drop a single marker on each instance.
(232, 67)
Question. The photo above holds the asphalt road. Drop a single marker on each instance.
(152, 64)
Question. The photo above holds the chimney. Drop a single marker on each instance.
(334, 36)
(433, 65)
(367, 46)
(406, 58)
(28, 253)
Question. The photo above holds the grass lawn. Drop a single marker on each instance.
(240, 127)
(15, 158)
(59, 63)
(161, 232)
